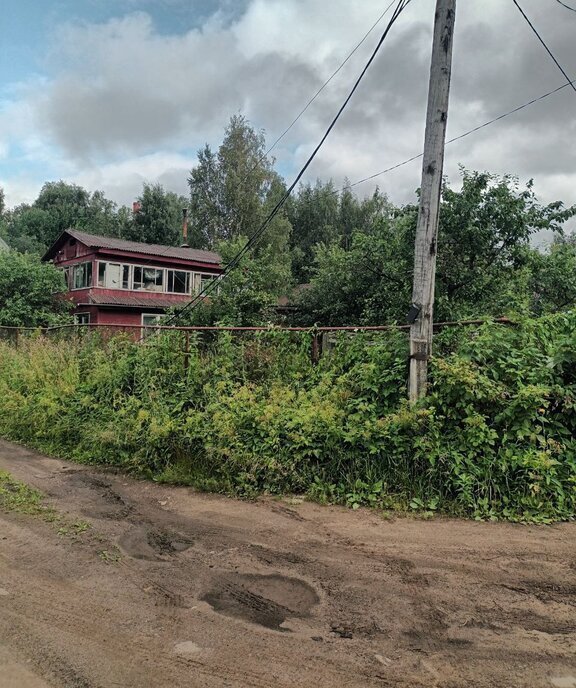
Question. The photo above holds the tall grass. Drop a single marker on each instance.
(494, 439)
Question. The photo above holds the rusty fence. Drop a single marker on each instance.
(322, 339)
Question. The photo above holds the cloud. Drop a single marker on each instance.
(126, 100)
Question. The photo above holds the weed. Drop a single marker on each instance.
(110, 556)
(494, 439)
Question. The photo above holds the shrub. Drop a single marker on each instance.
(495, 438)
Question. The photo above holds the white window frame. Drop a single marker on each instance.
(151, 327)
(73, 275)
(193, 278)
(79, 318)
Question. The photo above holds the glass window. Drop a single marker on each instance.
(66, 275)
(82, 318)
(138, 282)
(153, 279)
(178, 281)
(82, 276)
(205, 281)
(149, 320)
(150, 279)
(125, 277)
(101, 273)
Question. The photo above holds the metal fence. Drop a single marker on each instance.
(322, 339)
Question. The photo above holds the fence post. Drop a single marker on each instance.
(186, 350)
(315, 348)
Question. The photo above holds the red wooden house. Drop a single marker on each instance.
(112, 281)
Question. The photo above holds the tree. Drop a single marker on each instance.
(313, 214)
(244, 298)
(553, 276)
(29, 292)
(319, 215)
(484, 257)
(232, 192)
(159, 218)
(59, 206)
(484, 243)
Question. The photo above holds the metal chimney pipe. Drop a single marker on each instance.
(184, 227)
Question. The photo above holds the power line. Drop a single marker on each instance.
(416, 157)
(566, 6)
(402, 4)
(315, 96)
(319, 91)
(531, 25)
(467, 133)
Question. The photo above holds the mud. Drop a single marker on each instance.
(152, 544)
(264, 600)
(173, 588)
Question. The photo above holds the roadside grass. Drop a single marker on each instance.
(17, 497)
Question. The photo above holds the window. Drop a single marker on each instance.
(66, 275)
(150, 279)
(149, 320)
(205, 280)
(81, 275)
(113, 275)
(178, 281)
(82, 318)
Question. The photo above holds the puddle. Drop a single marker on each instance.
(109, 505)
(187, 648)
(264, 600)
(563, 681)
(153, 545)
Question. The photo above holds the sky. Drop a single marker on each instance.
(110, 94)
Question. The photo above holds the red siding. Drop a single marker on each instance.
(121, 306)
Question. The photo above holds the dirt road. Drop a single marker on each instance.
(172, 588)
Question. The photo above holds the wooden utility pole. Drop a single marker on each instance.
(422, 310)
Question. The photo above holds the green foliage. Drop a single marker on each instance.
(31, 228)
(29, 292)
(159, 219)
(17, 496)
(495, 438)
(485, 266)
(320, 216)
(233, 190)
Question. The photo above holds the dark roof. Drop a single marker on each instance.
(145, 301)
(158, 250)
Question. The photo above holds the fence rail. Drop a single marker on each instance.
(261, 328)
(322, 338)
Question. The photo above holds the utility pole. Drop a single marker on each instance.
(422, 311)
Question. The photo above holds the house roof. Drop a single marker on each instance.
(97, 241)
(135, 301)
(3, 245)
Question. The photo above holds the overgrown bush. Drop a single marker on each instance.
(495, 438)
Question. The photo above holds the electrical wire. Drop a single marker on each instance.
(319, 91)
(566, 6)
(467, 133)
(312, 99)
(400, 7)
(531, 25)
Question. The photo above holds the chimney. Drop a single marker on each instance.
(136, 207)
(184, 228)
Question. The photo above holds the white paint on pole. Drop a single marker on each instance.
(432, 167)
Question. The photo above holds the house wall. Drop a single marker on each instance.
(122, 306)
(118, 316)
